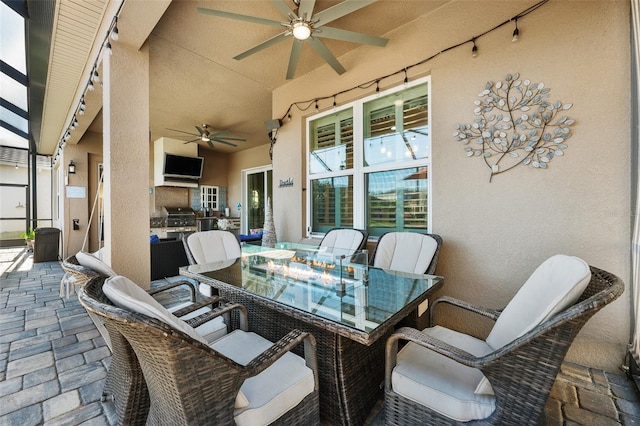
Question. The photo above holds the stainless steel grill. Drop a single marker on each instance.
(180, 217)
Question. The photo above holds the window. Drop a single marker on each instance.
(368, 163)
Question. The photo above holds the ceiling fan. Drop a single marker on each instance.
(305, 26)
(205, 135)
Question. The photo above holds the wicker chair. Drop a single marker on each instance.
(516, 378)
(191, 382)
(211, 246)
(124, 384)
(344, 241)
(408, 252)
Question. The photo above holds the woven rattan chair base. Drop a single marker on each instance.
(350, 373)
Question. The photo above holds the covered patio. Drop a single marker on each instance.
(326, 147)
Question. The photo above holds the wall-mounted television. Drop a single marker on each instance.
(182, 167)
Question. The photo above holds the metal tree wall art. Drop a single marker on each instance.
(516, 124)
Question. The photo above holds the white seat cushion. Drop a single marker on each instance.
(440, 383)
(210, 330)
(90, 261)
(342, 241)
(213, 246)
(405, 252)
(273, 392)
(555, 285)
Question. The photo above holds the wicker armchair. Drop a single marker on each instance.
(407, 252)
(344, 241)
(124, 384)
(211, 246)
(516, 377)
(191, 382)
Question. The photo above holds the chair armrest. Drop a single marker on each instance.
(223, 309)
(486, 312)
(169, 285)
(211, 300)
(426, 341)
(281, 347)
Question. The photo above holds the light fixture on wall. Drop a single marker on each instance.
(72, 168)
(474, 49)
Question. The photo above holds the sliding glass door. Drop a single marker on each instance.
(257, 184)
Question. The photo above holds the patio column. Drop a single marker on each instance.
(126, 161)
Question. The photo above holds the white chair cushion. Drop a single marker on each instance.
(273, 392)
(405, 252)
(440, 383)
(555, 285)
(342, 241)
(210, 330)
(125, 294)
(92, 262)
(213, 246)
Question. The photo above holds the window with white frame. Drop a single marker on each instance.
(368, 163)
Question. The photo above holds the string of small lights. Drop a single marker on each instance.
(94, 78)
(305, 105)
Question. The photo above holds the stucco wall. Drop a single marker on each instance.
(496, 233)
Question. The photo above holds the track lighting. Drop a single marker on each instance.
(95, 76)
(90, 85)
(334, 103)
(406, 79)
(474, 49)
(108, 47)
(516, 32)
(317, 109)
(377, 88)
(67, 136)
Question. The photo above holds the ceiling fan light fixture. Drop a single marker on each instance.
(301, 30)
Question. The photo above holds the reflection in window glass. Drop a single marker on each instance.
(332, 203)
(12, 47)
(396, 127)
(331, 143)
(396, 200)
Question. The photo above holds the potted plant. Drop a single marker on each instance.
(29, 237)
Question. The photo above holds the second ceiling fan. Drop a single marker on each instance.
(305, 26)
(205, 135)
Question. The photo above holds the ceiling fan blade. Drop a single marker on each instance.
(222, 132)
(306, 8)
(351, 36)
(261, 46)
(339, 10)
(239, 17)
(210, 144)
(195, 140)
(182, 131)
(326, 54)
(199, 130)
(224, 142)
(293, 58)
(283, 8)
(230, 139)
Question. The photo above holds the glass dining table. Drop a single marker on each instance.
(351, 309)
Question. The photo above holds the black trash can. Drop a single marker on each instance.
(46, 245)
